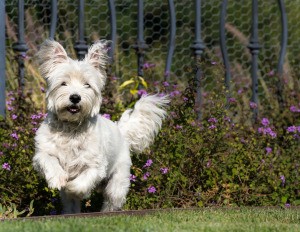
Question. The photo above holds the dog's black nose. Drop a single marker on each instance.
(75, 98)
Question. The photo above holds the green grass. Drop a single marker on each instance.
(221, 219)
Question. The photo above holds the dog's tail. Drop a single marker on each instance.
(140, 125)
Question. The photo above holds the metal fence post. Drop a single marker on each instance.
(113, 27)
(81, 46)
(198, 47)
(283, 45)
(172, 39)
(223, 44)
(2, 58)
(113, 33)
(53, 19)
(254, 47)
(20, 47)
(140, 46)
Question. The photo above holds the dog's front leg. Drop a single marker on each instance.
(83, 184)
(71, 203)
(50, 167)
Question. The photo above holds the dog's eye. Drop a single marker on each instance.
(87, 85)
(64, 84)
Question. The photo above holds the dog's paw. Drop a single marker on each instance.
(78, 188)
(58, 181)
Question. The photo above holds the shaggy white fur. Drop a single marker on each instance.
(76, 149)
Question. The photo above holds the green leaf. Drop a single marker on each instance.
(284, 199)
(125, 83)
(144, 83)
(133, 91)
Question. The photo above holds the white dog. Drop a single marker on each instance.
(76, 149)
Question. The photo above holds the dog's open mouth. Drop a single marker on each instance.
(73, 109)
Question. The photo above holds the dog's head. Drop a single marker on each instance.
(73, 87)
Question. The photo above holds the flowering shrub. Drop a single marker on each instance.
(226, 158)
(19, 183)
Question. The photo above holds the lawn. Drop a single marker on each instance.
(207, 219)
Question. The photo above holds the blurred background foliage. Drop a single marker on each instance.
(156, 35)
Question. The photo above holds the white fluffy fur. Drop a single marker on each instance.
(79, 151)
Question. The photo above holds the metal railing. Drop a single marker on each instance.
(198, 43)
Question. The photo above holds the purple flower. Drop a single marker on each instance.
(267, 131)
(146, 175)
(282, 178)
(1, 153)
(208, 164)
(14, 135)
(227, 119)
(253, 105)
(193, 123)
(106, 116)
(265, 122)
(164, 170)
(292, 129)
(174, 93)
(10, 93)
(6, 166)
(273, 134)
(268, 150)
(178, 127)
(148, 65)
(173, 114)
(14, 117)
(43, 89)
(213, 62)
(114, 78)
(142, 92)
(34, 129)
(5, 145)
(287, 205)
(293, 109)
(38, 116)
(166, 84)
(185, 99)
(212, 127)
(271, 73)
(212, 120)
(161, 94)
(148, 163)
(151, 189)
(9, 108)
(232, 100)
(132, 177)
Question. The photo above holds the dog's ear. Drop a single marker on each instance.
(50, 54)
(97, 54)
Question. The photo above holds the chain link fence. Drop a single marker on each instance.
(156, 35)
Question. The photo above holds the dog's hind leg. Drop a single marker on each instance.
(117, 188)
(71, 203)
